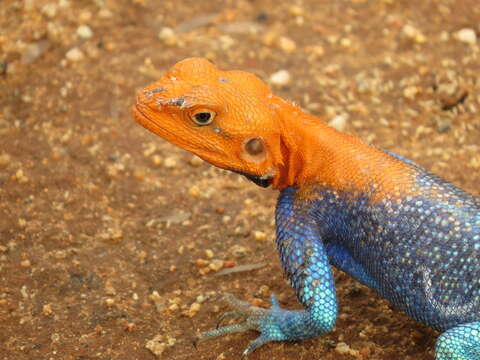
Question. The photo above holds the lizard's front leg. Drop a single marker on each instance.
(306, 265)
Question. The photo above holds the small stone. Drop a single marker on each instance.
(85, 16)
(109, 302)
(286, 44)
(410, 92)
(84, 32)
(229, 264)
(156, 346)
(413, 33)
(280, 78)
(216, 265)
(195, 161)
(201, 298)
(74, 54)
(342, 348)
(226, 219)
(204, 271)
(194, 191)
(49, 9)
(339, 122)
(466, 35)
(296, 10)
(105, 13)
(167, 35)
(209, 253)
(201, 263)
(55, 337)
(193, 310)
(22, 222)
(260, 235)
(156, 160)
(20, 177)
(170, 162)
(25, 263)
(346, 42)
(139, 174)
(4, 160)
(109, 289)
(47, 310)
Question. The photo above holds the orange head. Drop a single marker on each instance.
(224, 117)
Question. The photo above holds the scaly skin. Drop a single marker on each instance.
(411, 236)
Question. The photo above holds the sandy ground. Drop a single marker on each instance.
(112, 241)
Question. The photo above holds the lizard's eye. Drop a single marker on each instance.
(203, 117)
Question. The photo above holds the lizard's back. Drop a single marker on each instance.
(420, 250)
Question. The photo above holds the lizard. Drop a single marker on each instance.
(411, 236)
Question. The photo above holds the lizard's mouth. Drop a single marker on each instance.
(260, 180)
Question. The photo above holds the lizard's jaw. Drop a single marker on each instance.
(263, 180)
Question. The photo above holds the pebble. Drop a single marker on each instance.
(4, 160)
(410, 92)
(344, 349)
(139, 174)
(105, 13)
(226, 219)
(286, 44)
(167, 35)
(193, 310)
(20, 177)
(216, 265)
(74, 54)
(84, 32)
(49, 9)
(260, 235)
(156, 346)
(195, 161)
(209, 253)
(109, 289)
(201, 263)
(280, 78)
(413, 33)
(466, 35)
(170, 162)
(25, 263)
(194, 191)
(339, 122)
(296, 10)
(47, 309)
(156, 160)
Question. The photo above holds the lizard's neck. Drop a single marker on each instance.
(315, 153)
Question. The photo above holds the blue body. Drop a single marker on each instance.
(420, 252)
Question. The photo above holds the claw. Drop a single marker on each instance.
(253, 346)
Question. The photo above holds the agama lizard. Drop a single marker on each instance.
(411, 236)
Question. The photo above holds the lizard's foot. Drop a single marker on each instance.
(266, 321)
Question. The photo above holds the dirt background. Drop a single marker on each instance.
(112, 241)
